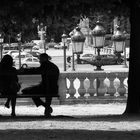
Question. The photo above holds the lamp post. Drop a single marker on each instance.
(125, 59)
(118, 39)
(64, 40)
(98, 34)
(1, 46)
(78, 40)
(19, 47)
(42, 33)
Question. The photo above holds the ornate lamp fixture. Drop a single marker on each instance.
(98, 34)
(118, 42)
(78, 40)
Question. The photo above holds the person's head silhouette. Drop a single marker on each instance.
(7, 61)
(44, 57)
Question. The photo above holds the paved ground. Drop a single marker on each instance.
(70, 122)
(69, 110)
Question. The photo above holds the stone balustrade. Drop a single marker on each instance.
(88, 86)
(77, 87)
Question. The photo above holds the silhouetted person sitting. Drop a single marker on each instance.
(9, 85)
(48, 85)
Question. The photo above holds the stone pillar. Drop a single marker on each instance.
(91, 90)
(72, 90)
(62, 88)
(81, 89)
(111, 90)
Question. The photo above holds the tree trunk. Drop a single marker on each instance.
(133, 101)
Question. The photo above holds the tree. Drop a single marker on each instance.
(133, 101)
(58, 15)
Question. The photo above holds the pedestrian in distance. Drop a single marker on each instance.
(49, 83)
(69, 61)
(9, 85)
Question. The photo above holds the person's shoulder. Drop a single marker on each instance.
(14, 69)
(52, 63)
(54, 66)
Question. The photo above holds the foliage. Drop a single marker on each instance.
(58, 15)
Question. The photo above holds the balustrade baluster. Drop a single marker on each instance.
(71, 89)
(91, 90)
(121, 89)
(111, 90)
(81, 89)
(101, 90)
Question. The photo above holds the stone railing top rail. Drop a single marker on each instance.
(94, 74)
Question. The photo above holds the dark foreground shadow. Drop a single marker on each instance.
(34, 118)
(107, 118)
(50, 131)
(55, 134)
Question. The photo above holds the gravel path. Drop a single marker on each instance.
(70, 122)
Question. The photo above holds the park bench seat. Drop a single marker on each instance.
(24, 96)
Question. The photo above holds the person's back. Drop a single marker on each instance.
(9, 81)
(50, 76)
(8, 75)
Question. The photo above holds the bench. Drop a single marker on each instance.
(26, 81)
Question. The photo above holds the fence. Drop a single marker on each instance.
(88, 86)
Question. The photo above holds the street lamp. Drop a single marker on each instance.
(118, 39)
(64, 40)
(78, 40)
(98, 34)
(1, 46)
(125, 59)
(42, 33)
(19, 48)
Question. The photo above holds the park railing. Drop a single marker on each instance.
(75, 87)
(89, 87)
